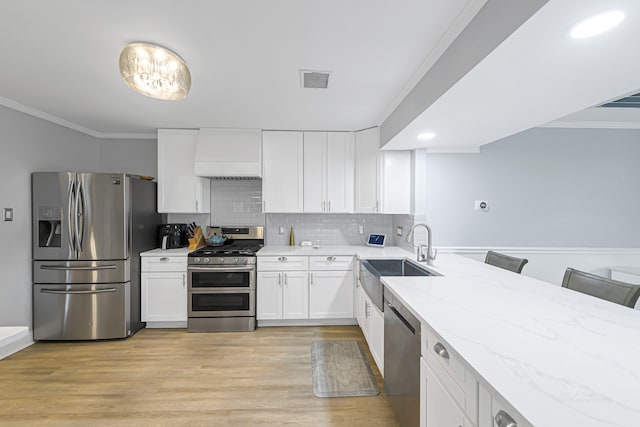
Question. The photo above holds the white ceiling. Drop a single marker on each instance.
(539, 76)
(60, 60)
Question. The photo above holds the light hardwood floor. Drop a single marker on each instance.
(171, 377)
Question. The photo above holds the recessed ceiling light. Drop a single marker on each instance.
(426, 135)
(595, 25)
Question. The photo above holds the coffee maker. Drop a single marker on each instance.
(171, 236)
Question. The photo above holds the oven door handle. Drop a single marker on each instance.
(221, 268)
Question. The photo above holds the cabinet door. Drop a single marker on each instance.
(179, 190)
(164, 297)
(295, 295)
(282, 179)
(331, 294)
(437, 405)
(367, 183)
(339, 173)
(315, 171)
(268, 295)
(376, 336)
(396, 182)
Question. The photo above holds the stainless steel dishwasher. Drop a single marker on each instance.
(402, 361)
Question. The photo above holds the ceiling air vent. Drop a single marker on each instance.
(631, 101)
(314, 79)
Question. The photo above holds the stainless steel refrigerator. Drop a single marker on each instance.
(88, 232)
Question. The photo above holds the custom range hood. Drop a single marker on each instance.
(229, 153)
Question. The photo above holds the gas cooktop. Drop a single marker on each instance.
(242, 248)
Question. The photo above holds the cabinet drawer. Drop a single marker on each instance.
(446, 362)
(164, 263)
(504, 415)
(331, 262)
(283, 263)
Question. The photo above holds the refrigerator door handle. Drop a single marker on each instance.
(82, 268)
(96, 291)
(80, 207)
(72, 216)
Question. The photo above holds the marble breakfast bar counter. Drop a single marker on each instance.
(560, 358)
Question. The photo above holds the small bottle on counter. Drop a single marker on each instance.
(291, 243)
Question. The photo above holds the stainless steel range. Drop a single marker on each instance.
(222, 282)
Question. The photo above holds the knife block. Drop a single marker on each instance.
(197, 241)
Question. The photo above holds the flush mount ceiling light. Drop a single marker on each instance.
(596, 25)
(426, 136)
(154, 71)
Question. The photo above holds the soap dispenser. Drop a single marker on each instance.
(291, 237)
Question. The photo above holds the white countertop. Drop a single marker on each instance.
(626, 269)
(559, 357)
(166, 252)
(361, 251)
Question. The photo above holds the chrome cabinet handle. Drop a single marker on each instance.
(282, 259)
(279, 279)
(323, 204)
(164, 259)
(312, 278)
(184, 280)
(286, 279)
(367, 309)
(329, 206)
(504, 420)
(331, 258)
(441, 350)
(196, 206)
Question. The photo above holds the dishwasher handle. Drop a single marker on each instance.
(401, 317)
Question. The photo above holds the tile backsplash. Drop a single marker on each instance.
(236, 202)
(326, 229)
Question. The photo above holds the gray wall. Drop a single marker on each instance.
(30, 144)
(545, 187)
(134, 156)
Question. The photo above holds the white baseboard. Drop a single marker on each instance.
(549, 264)
(165, 325)
(307, 322)
(14, 339)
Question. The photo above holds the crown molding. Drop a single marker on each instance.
(74, 126)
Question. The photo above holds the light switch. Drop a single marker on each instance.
(7, 214)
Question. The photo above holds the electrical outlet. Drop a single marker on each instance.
(399, 231)
(281, 230)
(7, 213)
(360, 229)
(481, 205)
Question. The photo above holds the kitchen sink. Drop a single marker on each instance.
(372, 269)
(395, 267)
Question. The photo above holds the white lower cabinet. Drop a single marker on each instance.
(330, 294)
(493, 411)
(371, 321)
(164, 291)
(448, 391)
(282, 288)
(282, 295)
(438, 407)
(305, 287)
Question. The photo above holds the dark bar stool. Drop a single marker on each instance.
(600, 287)
(505, 261)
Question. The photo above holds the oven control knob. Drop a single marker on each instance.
(221, 259)
(206, 260)
(236, 260)
(196, 260)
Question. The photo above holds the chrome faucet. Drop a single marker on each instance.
(430, 255)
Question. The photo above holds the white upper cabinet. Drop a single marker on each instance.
(328, 172)
(179, 189)
(282, 167)
(396, 182)
(382, 178)
(367, 165)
